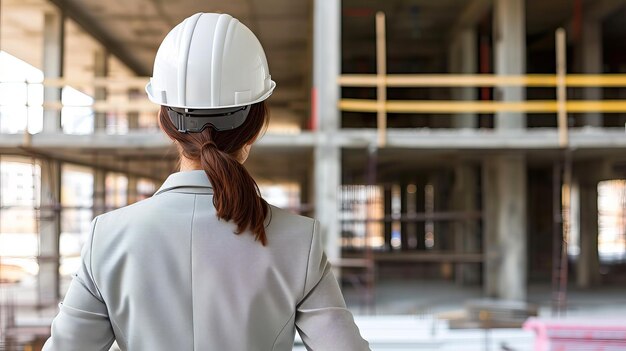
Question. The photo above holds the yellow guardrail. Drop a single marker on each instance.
(446, 107)
(560, 81)
(480, 80)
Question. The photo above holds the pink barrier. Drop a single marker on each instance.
(579, 335)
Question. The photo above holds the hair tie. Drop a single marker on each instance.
(208, 144)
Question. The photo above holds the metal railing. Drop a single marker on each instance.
(560, 81)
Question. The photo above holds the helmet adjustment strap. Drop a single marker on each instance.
(196, 120)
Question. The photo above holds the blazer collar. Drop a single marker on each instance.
(195, 181)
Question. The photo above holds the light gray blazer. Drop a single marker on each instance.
(167, 274)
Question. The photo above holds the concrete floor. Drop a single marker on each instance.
(433, 297)
(422, 301)
(416, 297)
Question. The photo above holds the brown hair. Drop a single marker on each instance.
(236, 195)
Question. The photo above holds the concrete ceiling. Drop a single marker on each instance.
(419, 31)
(132, 31)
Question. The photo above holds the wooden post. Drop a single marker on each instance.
(561, 93)
(381, 75)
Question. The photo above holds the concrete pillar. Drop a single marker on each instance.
(591, 53)
(327, 155)
(510, 57)
(588, 266)
(133, 116)
(131, 190)
(101, 70)
(466, 238)
(49, 233)
(420, 207)
(408, 205)
(404, 210)
(435, 193)
(411, 210)
(99, 192)
(504, 197)
(53, 56)
(462, 57)
(387, 226)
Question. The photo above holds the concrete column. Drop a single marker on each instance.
(387, 205)
(466, 238)
(131, 190)
(591, 52)
(504, 186)
(101, 70)
(408, 205)
(49, 233)
(420, 207)
(53, 56)
(492, 254)
(439, 180)
(411, 210)
(462, 58)
(588, 266)
(326, 69)
(510, 57)
(99, 192)
(133, 116)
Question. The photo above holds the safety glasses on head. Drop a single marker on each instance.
(196, 120)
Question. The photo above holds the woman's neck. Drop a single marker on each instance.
(188, 165)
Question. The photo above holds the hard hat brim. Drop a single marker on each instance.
(157, 101)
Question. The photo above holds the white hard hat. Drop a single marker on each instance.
(210, 61)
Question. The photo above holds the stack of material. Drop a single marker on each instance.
(489, 313)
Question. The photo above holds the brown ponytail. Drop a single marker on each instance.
(236, 195)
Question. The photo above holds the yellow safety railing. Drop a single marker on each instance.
(561, 81)
(444, 106)
(481, 80)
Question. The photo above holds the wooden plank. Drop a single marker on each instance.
(451, 106)
(381, 74)
(595, 80)
(561, 92)
(477, 80)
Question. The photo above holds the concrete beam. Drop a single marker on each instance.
(141, 170)
(99, 33)
(471, 15)
(596, 10)
(599, 9)
(152, 143)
